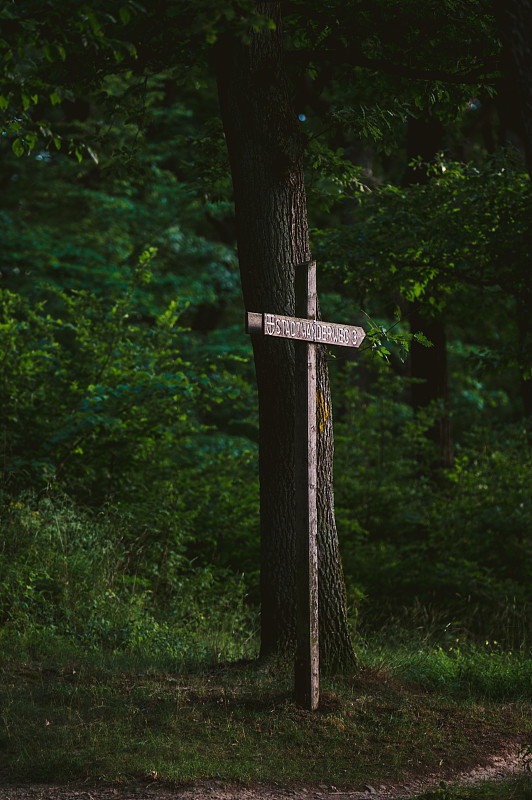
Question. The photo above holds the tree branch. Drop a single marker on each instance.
(489, 69)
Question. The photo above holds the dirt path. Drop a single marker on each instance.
(497, 768)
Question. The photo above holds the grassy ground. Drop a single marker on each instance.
(409, 712)
(518, 789)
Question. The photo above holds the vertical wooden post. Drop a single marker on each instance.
(307, 645)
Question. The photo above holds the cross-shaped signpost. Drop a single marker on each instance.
(307, 331)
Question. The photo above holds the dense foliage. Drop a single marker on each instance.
(128, 421)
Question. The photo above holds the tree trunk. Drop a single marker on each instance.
(524, 330)
(429, 365)
(335, 643)
(266, 154)
(515, 24)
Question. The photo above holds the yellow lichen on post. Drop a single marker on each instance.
(323, 410)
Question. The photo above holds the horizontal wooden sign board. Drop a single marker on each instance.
(307, 330)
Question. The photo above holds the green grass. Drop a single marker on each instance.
(517, 789)
(115, 718)
(457, 668)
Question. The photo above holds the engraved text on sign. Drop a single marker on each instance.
(312, 330)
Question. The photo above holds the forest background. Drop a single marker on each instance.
(129, 423)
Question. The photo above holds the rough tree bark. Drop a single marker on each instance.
(265, 148)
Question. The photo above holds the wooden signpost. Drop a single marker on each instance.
(307, 331)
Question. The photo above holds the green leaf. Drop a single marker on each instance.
(31, 140)
(422, 339)
(95, 25)
(18, 148)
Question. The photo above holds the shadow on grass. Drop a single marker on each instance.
(121, 720)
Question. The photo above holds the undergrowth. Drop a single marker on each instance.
(77, 581)
(121, 666)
